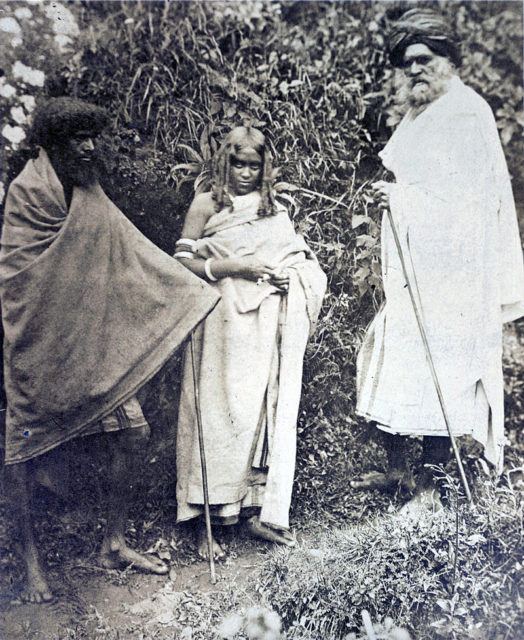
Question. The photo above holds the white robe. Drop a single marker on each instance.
(453, 208)
(249, 356)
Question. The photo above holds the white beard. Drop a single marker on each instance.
(419, 95)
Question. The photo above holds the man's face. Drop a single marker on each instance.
(245, 171)
(427, 74)
(81, 146)
(76, 158)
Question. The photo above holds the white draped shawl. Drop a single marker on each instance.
(454, 211)
(249, 358)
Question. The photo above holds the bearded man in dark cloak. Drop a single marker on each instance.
(91, 310)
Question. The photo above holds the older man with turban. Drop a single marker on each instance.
(91, 311)
(453, 209)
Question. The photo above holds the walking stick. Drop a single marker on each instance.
(429, 356)
(203, 466)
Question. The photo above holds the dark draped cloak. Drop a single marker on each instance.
(91, 309)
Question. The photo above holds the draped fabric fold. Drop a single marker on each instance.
(250, 352)
(453, 208)
(91, 309)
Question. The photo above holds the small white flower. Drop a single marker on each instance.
(23, 12)
(10, 25)
(62, 18)
(28, 75)
(15, 135)
(18, 115)
(28, 101)
(7, 91)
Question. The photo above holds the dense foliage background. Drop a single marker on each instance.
(313, 75)
(175, 76)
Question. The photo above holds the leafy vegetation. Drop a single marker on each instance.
(455, 575)
(175, 76)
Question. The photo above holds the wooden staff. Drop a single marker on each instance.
(428, 355)
(203, 466)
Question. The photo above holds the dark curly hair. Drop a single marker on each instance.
(237, 139)
(58, 119)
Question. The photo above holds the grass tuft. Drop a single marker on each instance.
(437, 578)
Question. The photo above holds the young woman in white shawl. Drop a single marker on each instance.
(250, 349)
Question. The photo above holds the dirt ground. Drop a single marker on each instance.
(92, 603)
(98, 603)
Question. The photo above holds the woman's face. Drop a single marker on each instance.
(245, 171)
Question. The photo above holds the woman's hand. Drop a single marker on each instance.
(383, 191)
(254, 269)
(280, 280)
(250, 268)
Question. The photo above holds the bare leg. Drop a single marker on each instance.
(398, 472)
(37, 589)
(125, 446)
(202, 546)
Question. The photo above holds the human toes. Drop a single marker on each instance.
(37, 596)
(158, 567)
(279, 536)
(148, 564)
(218, 552)
(287, 538)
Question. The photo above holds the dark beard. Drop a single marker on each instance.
(84, 174)
(73, 172)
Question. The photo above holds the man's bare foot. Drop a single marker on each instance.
(259, 530)
(425, 501)
(203, 547)
(379, 480)
(117, 555)
(37, 590)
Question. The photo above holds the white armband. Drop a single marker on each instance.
(185, 248)
(207, 269)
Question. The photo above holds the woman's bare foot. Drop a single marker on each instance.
(203, 547)
(259, 530)
(379, 480)
(117, 555)
(37, 590)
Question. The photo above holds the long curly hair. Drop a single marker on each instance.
(237, 139)
(58, 119)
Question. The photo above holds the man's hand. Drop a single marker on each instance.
(383, 192)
